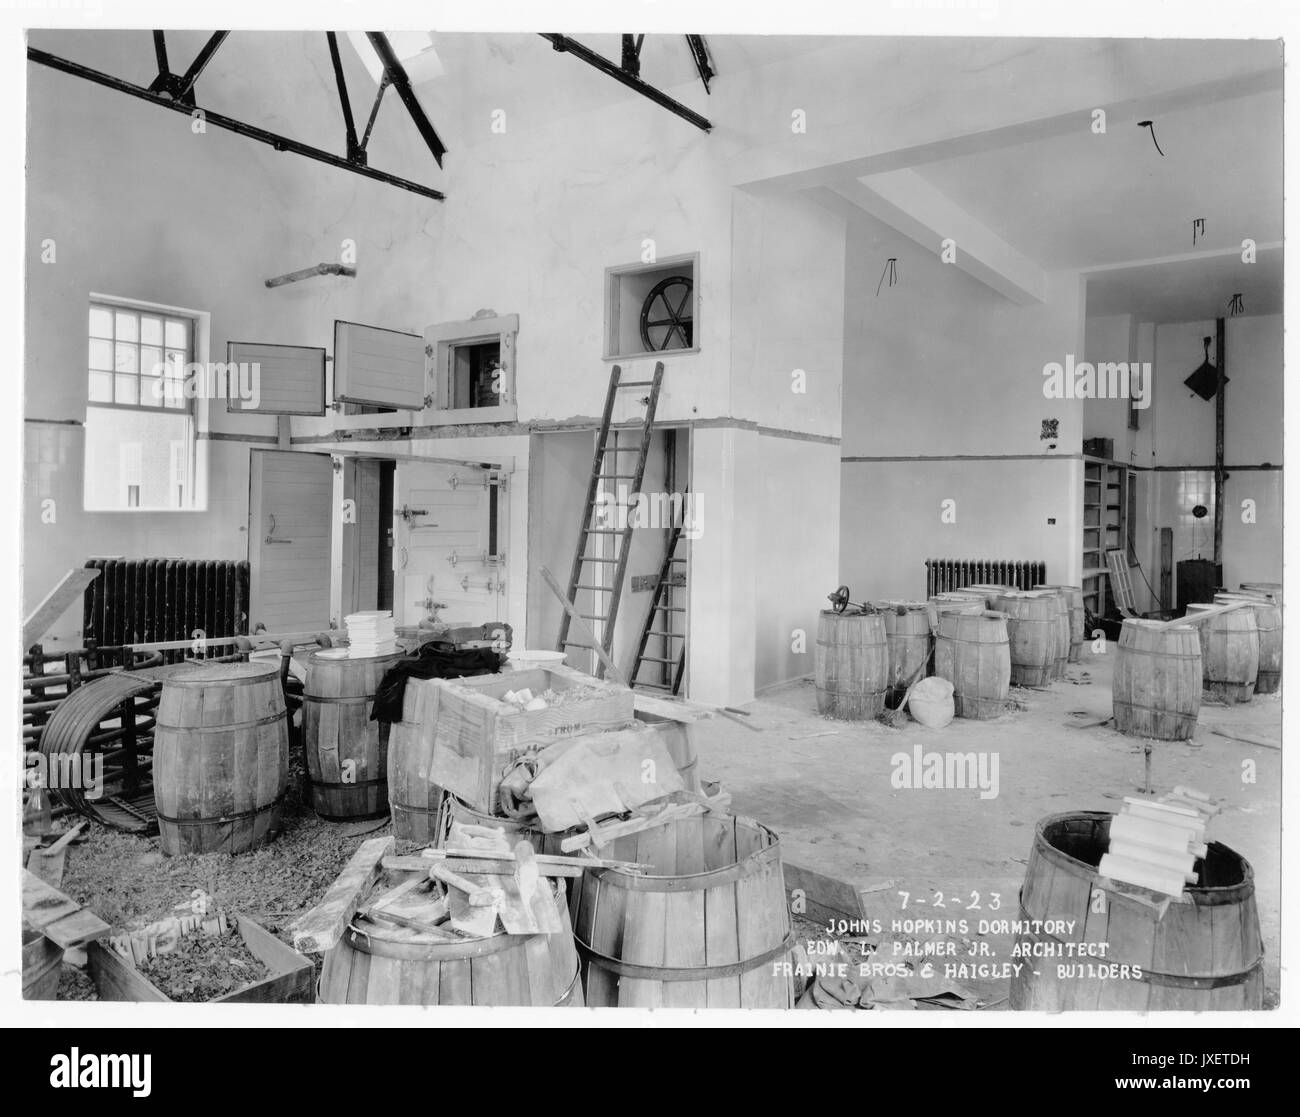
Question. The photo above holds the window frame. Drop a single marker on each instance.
(196, 409)
(443, 339)
(614, 277)
(141, 311)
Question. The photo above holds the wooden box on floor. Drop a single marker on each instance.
(290, 980)
(476, 734)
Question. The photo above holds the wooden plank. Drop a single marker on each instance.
(59, 918)
(48, 863)
(117, 980)
(496, 867)
(323, 926)
(57, 602)
(670, 709)
(1247, 739)
(1203, 615)
(291, 979)
(583, 628)
(77, 929)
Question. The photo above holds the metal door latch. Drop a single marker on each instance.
(408, 514)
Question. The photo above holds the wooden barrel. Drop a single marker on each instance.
(1205, 954)
(852, 665)
(1078, 616)
(1273, 589)
(908, 641)
(415, 801)
(1268, 620)
(383, 965)
(939, 604)
(455, 809)
(974, 654)
(1061, 657)
(347, 753)
(708, 926)
(991, 591)
(1229, 653)
(42, 960)
(220, 758)
(1156, 690)
(1031, 635)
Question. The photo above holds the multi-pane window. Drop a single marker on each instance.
(140, 430)
(138, 358)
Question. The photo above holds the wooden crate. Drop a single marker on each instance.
(291, 980)
(474, 735)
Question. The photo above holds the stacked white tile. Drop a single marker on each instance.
(371, 633)
(1154, 845)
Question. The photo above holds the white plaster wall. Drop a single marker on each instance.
(943, 400)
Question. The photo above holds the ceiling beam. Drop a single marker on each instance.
(1152, 105)
(399, 80)
(605, 66)
(907, 202)
(229, 124)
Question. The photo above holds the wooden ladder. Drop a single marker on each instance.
(586, 570)
(662, 610)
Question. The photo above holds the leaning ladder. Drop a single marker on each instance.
(662, 609)
(587, 567)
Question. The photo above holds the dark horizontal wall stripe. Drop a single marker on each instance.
(56, 422)
(497, 430)
(1203, 468)
(970, 458)
(226, 436)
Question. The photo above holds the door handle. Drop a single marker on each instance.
(270, 531)
(408, 513)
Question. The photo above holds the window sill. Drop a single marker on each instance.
(657, 355)
(464, 416)
(139, 511)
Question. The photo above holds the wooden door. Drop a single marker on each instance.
(290, 519)
(443, 528)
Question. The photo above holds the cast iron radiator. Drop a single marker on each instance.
(143, 601)
(952, 574)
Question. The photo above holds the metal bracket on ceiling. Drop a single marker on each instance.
(703, 60)
(177, 93)
(396, 74)
(632, 54)
(180, 87)
(628, 77)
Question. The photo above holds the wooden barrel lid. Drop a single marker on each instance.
(201, 675)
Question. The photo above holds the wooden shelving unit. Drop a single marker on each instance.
(1105, 504)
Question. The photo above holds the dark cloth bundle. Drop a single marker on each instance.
(435, 660)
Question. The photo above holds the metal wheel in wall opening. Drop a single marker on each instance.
(666, 313)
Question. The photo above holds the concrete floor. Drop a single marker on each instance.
(831, 799)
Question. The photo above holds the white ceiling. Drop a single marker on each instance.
(1189, 290)
(1082, 200)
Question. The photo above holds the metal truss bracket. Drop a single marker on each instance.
(629, 73)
